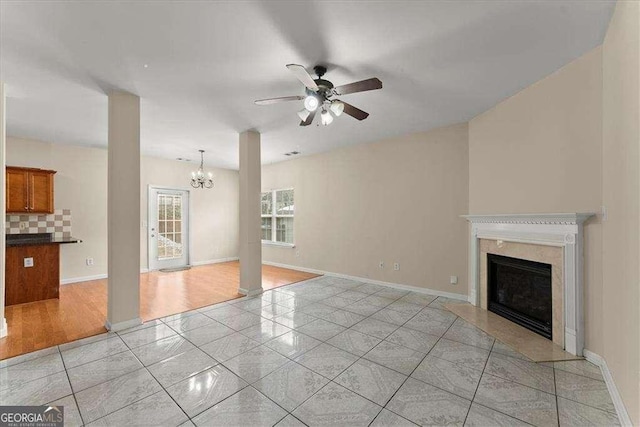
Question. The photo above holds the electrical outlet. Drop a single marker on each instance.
(28, 262)
(381, 264)
(89, 261)
(297, 254)
(24, 225)
(453, 280)
(396, 266)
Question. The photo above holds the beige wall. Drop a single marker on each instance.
(397, 200)
(621, 196)
(81, 185)
(540, 152)
(214, 212)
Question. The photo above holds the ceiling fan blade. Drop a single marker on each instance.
(301, 74)
(354, 112)
(309, 119)
(270, 101)
(361, 86)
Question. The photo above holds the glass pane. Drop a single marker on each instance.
(266, 228)
(169, 226)
(161, 212)
(284, 230)
(284, 202)
(266, 203)
(177, 207)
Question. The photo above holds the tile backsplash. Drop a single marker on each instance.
(58, 223)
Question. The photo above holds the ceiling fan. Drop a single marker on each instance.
(320, 94)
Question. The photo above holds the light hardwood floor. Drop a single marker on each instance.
(81, 310)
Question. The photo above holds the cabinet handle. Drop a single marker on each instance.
(26, 208)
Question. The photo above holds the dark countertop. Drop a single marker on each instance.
(38, 239)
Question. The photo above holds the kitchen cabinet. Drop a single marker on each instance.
(29, 190)
(32, 267)
(38, 281)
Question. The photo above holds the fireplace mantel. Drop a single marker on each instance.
(564, 230)
(550, 219)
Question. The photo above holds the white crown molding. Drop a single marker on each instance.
(563, 230)
(461, 297)
(623, 415)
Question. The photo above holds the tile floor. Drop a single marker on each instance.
(327, 351)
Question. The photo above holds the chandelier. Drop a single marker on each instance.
(200, 179)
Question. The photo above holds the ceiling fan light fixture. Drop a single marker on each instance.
(304, 114)
(311, 103)
(337, 107)
(326, 118)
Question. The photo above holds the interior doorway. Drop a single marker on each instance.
(168, 230)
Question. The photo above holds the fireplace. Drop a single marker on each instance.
(520, 290)
(555, 239)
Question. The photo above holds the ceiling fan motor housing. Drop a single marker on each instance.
(324, 90)
(320, 70)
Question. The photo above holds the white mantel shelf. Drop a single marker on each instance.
(559, 218)
(555, 229)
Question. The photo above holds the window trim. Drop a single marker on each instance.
(274, 216)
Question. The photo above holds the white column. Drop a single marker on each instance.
(250, 249)
(123, 207)
(474, 267)
(3, 160)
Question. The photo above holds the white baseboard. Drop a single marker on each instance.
(120, 326)
(598, 360)
(82, 279)
(142, 271)
(250, 292)
(428, 291)
(3, 328)
(214, 261)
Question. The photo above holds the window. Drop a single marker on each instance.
(277, 216)
(169, 226)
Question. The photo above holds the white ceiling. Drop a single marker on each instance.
(440, 62)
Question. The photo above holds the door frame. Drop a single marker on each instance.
(150, 189)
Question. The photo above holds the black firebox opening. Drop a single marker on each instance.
(520, 290)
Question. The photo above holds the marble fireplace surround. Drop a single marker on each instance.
(563, 231)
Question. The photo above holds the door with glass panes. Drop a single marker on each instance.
(168, 228)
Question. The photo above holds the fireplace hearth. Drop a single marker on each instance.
(520, 290)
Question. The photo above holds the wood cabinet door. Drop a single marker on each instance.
(40, 192)
(17, 181)
(27, 284)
